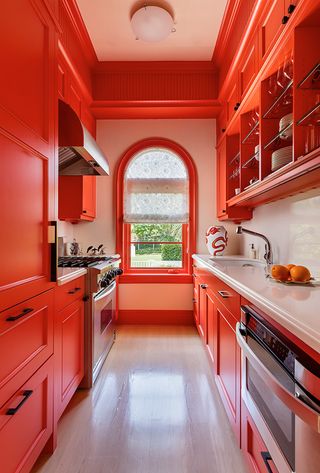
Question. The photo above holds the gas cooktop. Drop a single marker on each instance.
(83, 261)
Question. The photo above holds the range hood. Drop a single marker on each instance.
(79, 154)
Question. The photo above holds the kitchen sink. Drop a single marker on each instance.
(238, 261)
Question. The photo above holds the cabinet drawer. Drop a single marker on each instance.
(228, 297)
(69, 292)
(253, 447)
(26, 336)
(25, 430)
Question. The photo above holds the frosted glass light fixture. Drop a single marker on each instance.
(152, 24)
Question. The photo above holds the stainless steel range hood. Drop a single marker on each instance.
(79, 153)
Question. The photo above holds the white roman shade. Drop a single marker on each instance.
(156, 188)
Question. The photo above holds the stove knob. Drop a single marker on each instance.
(104, 283)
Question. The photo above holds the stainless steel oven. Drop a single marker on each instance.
(103, 317)
(281, 389)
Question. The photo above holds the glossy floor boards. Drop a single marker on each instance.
(153, 409)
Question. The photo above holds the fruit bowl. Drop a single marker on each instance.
(279, 276)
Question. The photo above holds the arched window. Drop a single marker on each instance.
(156, 209)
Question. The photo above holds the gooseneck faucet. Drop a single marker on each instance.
(268, 253)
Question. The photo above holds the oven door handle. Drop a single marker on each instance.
(300, 404)
(106, 292)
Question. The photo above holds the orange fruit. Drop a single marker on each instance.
(300, 273)
(289, 266)
(280, 272)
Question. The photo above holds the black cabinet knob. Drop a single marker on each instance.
(285, 20)
(237, 105)
(291, 8)
(84, 211)
(223, 130)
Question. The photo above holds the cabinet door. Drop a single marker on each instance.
(232, 100)
(211, 308)
(227, 364)
(248, 67)
(203, 312)
(69, 353)
(253, 447)
(89, 196)
(221, 167)
(24, 252)
(25, 431)
(27, 82)
(272, 25)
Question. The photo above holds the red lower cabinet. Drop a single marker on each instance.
(26, 421)
(253, 447)
(211, 310)
(227, 364)
(69, 354)
(26, 339)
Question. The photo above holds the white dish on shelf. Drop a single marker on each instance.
(281, 157)
(283, 124)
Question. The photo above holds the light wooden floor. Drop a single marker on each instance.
(154, 409)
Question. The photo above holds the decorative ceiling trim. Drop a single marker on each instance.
(81, 31)
(130, 109)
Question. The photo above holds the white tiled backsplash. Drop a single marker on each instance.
(293, 228)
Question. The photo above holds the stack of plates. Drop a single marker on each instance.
(281, 157)
(284, 122)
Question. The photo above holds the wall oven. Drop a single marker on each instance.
(281, 389)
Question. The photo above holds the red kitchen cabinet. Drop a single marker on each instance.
(77, 198)
(27, 82)
(253, 447)
(68, 342)
(248, 66)
(26, 421)
(28, 327)
(27, 137)
(211, 312)
(69, 354)
(202, 316)
(227, 364)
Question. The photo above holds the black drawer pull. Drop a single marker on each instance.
(203, 286)
(13, 410)
(266, 458)
(12, 318)
(291, 8)
(285, 20)
(225, 294)
(76, 289)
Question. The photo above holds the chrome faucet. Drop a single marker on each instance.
(268, 253)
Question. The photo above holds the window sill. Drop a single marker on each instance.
(138, 278)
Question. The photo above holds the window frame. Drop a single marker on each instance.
(155, 275)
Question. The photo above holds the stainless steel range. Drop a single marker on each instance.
(100, 309)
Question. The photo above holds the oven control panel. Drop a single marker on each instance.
(108, 277)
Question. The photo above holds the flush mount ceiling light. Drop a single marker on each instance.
(152, 23)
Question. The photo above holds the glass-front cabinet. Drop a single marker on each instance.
(272, 142)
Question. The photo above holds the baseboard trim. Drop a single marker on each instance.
(155, 317)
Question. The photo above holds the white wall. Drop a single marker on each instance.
(293, 228)
(115, 137)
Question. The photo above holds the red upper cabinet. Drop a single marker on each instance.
(77, 198)
(248, 66)
(27, 81)
(277, 14)
(27, 137)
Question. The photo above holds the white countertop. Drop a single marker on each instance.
(65, 275)
(296, 308)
